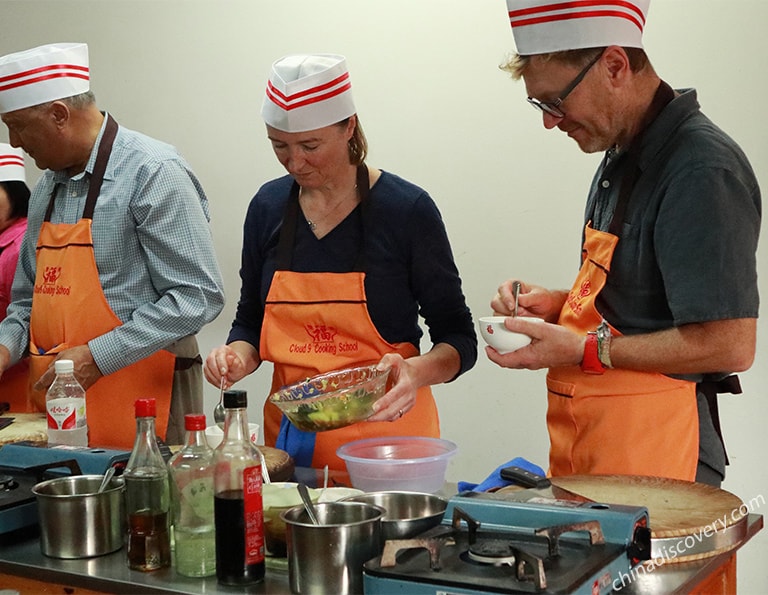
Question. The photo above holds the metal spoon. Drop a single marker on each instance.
(325, 482)
(219, 413)
(107, 478)
(264, 471)
(516, 289)
(308, 506)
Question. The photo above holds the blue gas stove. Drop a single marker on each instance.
(489, 544)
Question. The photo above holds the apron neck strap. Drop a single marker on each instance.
(287, 237)
(97, 176)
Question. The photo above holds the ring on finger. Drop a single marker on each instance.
(400, 413)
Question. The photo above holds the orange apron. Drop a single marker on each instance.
(623, 421)
(318, 322)
(69, 309)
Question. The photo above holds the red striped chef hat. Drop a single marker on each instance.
(11, 164)
(42, 74)
(543, 26)
(306, 92)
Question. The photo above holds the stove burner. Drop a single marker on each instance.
(7, 482)
(497, 552)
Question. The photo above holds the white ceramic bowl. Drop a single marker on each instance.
(500, 337)
(214, 434)
(279, 497)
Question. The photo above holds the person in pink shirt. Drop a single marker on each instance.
(14, 200)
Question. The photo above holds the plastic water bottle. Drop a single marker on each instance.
(147, 495)
(65, 407)
(191, 471)
(238, 505)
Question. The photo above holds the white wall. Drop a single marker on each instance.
(437, 111)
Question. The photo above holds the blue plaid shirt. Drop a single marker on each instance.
(152, 244)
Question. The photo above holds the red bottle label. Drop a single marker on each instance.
(62, 416)
(254, 515)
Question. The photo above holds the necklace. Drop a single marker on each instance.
(314, 223)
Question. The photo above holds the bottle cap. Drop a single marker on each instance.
(235, 399)
(63, 366)
(194, 421)
(145, 408)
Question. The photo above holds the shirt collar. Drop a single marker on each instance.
(16, 230)
(61, 177)
(672, 116)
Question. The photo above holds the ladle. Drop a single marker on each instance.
(107, 478)
(308, 506)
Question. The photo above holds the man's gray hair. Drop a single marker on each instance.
(79, 101)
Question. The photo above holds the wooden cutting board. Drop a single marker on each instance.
(677, 509)
(25, 426)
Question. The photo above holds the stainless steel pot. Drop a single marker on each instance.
(78, 522)
(329, 557)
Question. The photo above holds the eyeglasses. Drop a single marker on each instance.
(553, 107)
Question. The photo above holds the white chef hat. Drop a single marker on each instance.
(306, 92)
(544, 26)
(43, 74)
(11, 164)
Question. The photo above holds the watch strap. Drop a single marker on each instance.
(591, 364)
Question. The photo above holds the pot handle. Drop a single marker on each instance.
(71, 464)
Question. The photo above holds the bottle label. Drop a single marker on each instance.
(254, 515)
(66, 413)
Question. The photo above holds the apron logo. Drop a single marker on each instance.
(50, 284)
(323, 340)
(51, 274)
(576, 297)
(320, 333)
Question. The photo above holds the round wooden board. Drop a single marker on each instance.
(676, 508)
(279, 463)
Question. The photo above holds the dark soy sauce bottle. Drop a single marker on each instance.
(238, 506)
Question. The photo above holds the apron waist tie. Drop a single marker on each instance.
(710, 389)
(185, 363)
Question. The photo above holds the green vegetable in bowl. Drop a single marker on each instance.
(332, 400)
(334, 412)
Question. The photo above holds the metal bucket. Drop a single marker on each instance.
(78, 522)
(329, 557)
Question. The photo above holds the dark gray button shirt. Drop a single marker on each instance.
(687, 249)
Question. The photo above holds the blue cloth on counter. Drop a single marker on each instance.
(494, 480)
(297, 443)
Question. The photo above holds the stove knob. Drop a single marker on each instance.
(7, 483)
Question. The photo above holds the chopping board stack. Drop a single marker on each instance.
(25, 427)
(689, 521)
(30, 427)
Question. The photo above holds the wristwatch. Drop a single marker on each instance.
(604, 344)
(591, 364)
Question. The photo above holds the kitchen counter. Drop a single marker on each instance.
(110, 574)
(25, 568)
